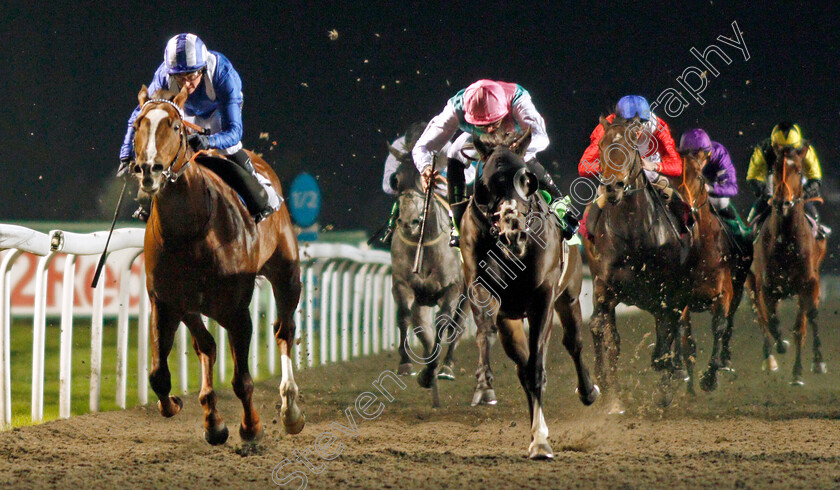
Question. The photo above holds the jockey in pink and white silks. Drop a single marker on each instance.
(214, 103)
(484, 107)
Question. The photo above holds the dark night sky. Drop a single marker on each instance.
(71, 74)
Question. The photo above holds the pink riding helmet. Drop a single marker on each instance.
(485, 103)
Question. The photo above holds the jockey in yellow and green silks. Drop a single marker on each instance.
(784, 135)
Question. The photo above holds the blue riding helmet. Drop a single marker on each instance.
(631, 106)
(185, 53)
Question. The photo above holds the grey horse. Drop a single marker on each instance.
(439, 282)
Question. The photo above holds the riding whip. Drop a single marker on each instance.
(427, 201)
(108, 240)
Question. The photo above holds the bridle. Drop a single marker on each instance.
(691, 199)
(169, 174)
(633, 178)
(443, 231)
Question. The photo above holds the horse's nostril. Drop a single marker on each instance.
(415, 222)
(157, 167)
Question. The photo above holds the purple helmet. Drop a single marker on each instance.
(695, 140)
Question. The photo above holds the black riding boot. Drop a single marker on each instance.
(242, 178)
(456, 195)
(811, 210)
(562, 209)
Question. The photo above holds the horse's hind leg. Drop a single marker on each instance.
(403, 299)
(285, 282)
(164, 324)
(568, 308)
(215, 431)
(689, 350)
(239, 332)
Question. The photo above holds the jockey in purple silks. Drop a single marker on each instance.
(722, 182)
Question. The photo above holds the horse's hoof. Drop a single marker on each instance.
(798, 380)
(406, 369)
(425, 378)
(681, 374)
(216, 435)
(484, 397)
(709, 381)
(818, 368)
(665, 395)
(445, 372)
(770, 364)
(176, 403)
(251, 435)
(590, 398)
(782, 347)
(541, 451)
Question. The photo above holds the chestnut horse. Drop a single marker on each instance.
(203, 253)
(517, 266)
(787, 263)
(635, 256)
(718, 267)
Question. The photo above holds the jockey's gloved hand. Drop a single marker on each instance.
(125, 165)
(812, 188)
(199, 142)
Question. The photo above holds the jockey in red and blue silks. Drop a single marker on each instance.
(487, 106)
(214, 103)
(660, 158)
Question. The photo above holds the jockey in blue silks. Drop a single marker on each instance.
(214, 103)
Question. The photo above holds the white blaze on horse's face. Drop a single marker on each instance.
(513, 227)
(154, 116)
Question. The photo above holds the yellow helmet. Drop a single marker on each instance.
(786, 134)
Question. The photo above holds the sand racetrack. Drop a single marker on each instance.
(754, 431)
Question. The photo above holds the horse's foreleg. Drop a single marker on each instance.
(422, 318)
(485, 336)
(215, 431)
(663, 353)
(532, 377)
(689, 349)
(452, 306)
(568, 308)
(818, 366)
(239, 332)
(164, 324)
(403, 298)
(720, 313)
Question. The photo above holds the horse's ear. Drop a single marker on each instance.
(484, 150)
(181, 98)
(521, 144)
(396, 153)
(143, 96)
(604, 122)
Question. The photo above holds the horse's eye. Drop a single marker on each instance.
(176, 126)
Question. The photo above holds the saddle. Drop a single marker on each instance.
(250, 191)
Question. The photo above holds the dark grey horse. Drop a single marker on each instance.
(440, 281)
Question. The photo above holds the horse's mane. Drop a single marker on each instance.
(163, 93)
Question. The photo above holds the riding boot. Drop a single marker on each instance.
(392, 223)
(144, 208)
(560, 205)
(811, 210)
(456, 195)
(595, 210)
(261, 199)
(758, 213)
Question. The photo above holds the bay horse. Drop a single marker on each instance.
(439, 282)
(517, 266)
(718, 267)
(635, 255)
(203, 253)
(787, 263)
